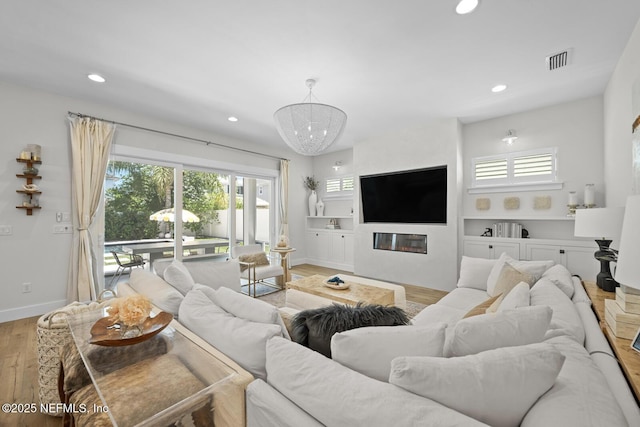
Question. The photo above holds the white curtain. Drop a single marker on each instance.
(284, 198)
(90, 144)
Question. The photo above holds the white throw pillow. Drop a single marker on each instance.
(216, 274)
(179, 277)
(245, 307)
(496, 387)
(241, 340)
(533, 268)
(160, 293)
(474, 272)
(518, 297)
(338, 396)
(508, 328)
(561, 277)
(566, 319)
(370, 350)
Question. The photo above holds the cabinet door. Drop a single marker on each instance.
(581, 261)
(317, 245)
(337, 248)
(475, 249)
(511, 248)
(348, 249)
(537, 252)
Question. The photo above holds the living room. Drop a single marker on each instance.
(591, 133)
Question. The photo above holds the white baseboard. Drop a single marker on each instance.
(30, 310)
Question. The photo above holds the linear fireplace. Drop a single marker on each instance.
(415, 243)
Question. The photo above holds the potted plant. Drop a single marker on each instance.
(311, 183)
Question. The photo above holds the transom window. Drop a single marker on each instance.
(517, 168)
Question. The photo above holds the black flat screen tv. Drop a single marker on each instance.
(413, 196)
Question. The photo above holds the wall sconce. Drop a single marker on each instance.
(510, 136)
(337, 165)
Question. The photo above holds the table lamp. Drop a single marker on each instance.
(604, 224)
(628, 267)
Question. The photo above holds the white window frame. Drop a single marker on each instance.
(342, 193)
(516, 183)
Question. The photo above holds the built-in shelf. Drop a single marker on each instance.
(29, 205)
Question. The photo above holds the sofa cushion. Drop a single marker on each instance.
(489, 331)
(565, 319)
(463, 298)
(179, 277)
(518, 297)
(338, 396)
(474, 272)
(533, 268)
(266, 407)
(314, 328)
(242, 340)
(438, 313)
(160, 293)
(216, 274)
(561, 277)
(509, 277)
(496, 387)
(482, 307)
(580, 395)
(370, 350)
(248, 308)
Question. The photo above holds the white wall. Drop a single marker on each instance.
(433, 144)
(575, 128)
(323, 169)
(618, 117)
(33, 253)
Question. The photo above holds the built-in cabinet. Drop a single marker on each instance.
(576, 255)
(330, 247)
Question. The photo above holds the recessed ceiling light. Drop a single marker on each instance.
(96, 78)
(233, 119)
(498, 88)
(466, 6)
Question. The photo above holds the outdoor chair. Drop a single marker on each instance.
(125, 261)
(255, 266)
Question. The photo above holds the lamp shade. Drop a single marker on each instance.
(628, 269)
(599, 222)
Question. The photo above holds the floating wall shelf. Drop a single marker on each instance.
(29, 205)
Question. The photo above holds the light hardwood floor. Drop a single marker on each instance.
(19, 361)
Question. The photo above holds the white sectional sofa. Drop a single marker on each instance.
(539, 360)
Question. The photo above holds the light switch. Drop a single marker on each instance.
(6, 230)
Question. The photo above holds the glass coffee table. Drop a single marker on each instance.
(168, 379)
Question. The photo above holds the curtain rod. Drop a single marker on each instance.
(189, 138)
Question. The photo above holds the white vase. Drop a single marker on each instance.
(313, 199)
(320, 208)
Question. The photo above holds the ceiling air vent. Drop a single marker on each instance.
(558, 60)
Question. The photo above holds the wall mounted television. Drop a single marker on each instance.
(412, 196)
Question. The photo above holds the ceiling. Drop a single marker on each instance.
(388, 64)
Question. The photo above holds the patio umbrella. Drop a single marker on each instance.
(168, 215)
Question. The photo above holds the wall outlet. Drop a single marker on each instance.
(62, 229)
(6, 230)
(26, 288)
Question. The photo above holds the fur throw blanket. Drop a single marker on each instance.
(314, 328)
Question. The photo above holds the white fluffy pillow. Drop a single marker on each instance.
(245, 307)
(160, 293)
(496, 387)
(474, 272)
(508, 328)
(561, 277)
(518, 297)
(179, 277)
(566, 319)
(370, 350)
(533, 268)
(242, 340)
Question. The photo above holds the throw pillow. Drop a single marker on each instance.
(240, 339)
(565, 319)
(508, 328)
(160, 293)
(179, 277)
(338, 396)
(509, 277)
(517, 298)
(474, 272)
(248, 308)
(259, 258)
(496, 387)
(314, 328)
(533, 268)
(482, 307)
(561, 277)
(370, 350)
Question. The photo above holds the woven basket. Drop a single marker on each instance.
(53, 333)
